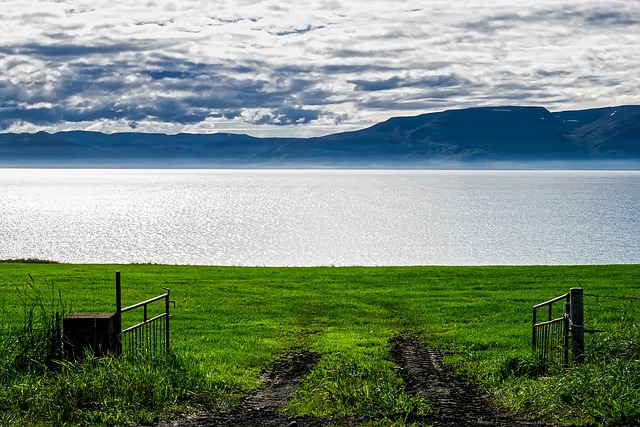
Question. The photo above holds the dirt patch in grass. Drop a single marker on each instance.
(454, 402)
(262, 407)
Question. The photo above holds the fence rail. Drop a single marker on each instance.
(550, 338)
(150, 335)
(560, 335)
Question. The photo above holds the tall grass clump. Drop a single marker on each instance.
(39, 387)
(603, 390)
(346, 387)
(33, 343)
(107, 391)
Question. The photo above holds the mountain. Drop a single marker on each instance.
(486, 134)
(610, 132)
(473, 136)
(41, 145)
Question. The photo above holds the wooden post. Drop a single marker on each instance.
(577, 324)
(118, 294)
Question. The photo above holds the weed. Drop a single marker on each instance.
(108, 391)
(365, 387)
(520, 366)
(35, 343)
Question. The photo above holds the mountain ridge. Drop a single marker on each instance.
(470, 136)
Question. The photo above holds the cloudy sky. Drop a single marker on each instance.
(267, 67)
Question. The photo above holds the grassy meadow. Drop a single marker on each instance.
(231, 323)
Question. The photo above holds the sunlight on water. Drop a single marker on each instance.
(332, 217)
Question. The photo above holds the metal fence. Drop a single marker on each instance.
(561, 334)
(550, 337)
(151, 334)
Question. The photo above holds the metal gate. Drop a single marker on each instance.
(550, 337)
(151, 335)
(562, 333)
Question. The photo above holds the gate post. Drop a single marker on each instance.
(577, 324)
(118, 313)
(566, 331)
(166, 310)
(534, 342)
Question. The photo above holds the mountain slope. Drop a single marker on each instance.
(506, 133)
(607, 132)
(488, 134)
(41, 145)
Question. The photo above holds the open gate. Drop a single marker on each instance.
(151, 335)
(550, 337)
(561, 332)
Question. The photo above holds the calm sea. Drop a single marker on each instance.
(320, 217)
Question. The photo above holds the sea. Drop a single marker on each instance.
(268, 217)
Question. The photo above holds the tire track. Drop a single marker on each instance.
(261, 408)
(454, 402)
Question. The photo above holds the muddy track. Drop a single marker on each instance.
(454, 402)
(262, 406)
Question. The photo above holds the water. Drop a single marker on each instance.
(320, 217)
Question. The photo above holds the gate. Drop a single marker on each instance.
(151, 335)
(550, 338)
(562, 332)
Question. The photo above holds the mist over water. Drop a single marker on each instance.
(320, 217)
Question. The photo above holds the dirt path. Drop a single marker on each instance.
(455, 403)
(261, 408)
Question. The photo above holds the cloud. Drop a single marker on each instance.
(396, 82)
(612, 17)
(296, 31)
(280, 116)
(37, 116)
(298, 65)
(61, 51)
(185, 93)
(558, 16)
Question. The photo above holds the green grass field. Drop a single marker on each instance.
(231, 323)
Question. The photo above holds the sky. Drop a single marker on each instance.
(274, 68)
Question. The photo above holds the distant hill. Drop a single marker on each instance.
(467, 137)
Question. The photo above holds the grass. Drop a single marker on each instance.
(604, 390)
(40, 387)
(31, 343)
(344, 387)
(231, 323)
(105, 391)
